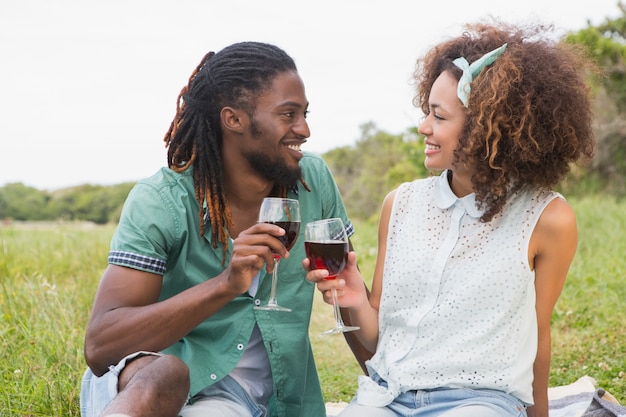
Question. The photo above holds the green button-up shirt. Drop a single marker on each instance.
(158, 232)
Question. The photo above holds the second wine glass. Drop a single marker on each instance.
(283, 212)
(326, 245)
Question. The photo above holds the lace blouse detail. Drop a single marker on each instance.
(458, 298)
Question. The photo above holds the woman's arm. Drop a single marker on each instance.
(352, 293)
(552, 248)
(367, 318)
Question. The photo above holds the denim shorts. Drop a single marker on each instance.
(97, 392)
(443, 402)
(226, 398)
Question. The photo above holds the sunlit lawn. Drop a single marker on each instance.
(49, 273)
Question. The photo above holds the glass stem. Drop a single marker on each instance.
(272, 300)
(338, 319)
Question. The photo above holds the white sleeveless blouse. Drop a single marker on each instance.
(458, 298)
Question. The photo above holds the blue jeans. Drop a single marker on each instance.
(225, 398)
(97, 392)
(444, 402)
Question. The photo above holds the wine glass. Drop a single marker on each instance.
(283, 212)
(326, 246)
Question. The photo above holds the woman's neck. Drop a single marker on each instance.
(461, 185)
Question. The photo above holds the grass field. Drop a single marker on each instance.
(49, 274)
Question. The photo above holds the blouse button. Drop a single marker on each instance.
(213, 377)
(257, 302)
(240, 346)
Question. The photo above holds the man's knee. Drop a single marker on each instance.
(177, 371)
(156, 372)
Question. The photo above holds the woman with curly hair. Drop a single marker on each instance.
(471, 262)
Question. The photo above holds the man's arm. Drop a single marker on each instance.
(127, 316)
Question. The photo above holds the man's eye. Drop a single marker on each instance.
(306, 113)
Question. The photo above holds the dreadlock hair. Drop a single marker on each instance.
(235, 77)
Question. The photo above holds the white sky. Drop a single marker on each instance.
(88, 88)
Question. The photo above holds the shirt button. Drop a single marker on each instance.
(213, 377)
(257, 302)
(240, 346)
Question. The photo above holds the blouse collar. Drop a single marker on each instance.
(445, 198)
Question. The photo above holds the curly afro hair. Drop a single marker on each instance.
(529, 113)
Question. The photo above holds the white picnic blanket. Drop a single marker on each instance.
(579, 399)
(583, 399)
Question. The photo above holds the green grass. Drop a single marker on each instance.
(589, 322)
(49, 274)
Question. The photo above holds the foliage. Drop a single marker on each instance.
(20, 202)
(95, 203)
(606, 44)
(378, 163)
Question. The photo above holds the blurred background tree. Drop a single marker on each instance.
(606, 44)
(93, 203)
(377, 163)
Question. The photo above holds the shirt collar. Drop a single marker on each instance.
(445, 198)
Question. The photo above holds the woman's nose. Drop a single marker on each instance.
(424, 127)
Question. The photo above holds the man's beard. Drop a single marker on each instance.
(272, 170)
(276, 171)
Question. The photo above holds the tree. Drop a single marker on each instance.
(606, 44)
(95, 203)
(376, 164)
(20, 202)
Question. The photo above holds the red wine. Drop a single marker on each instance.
(331, 255)
(292, 229)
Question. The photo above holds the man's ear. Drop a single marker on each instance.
(235, 120)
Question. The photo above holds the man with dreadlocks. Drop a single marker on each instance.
(173, 329)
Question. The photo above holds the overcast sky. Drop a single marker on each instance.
(88, 88)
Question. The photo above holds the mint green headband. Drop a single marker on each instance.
(471, 71)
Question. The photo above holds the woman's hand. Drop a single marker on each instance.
(349, 283)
